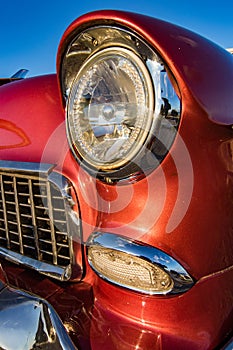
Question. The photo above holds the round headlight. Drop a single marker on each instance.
(122, 103)
(110, 108)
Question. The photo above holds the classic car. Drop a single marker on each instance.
(116, 192)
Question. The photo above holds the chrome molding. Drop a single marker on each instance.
(182, 281)
(29, 322)
(58, 272)
(38, 226)
(32, 169)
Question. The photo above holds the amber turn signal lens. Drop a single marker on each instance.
(129, 271)
(135, 265)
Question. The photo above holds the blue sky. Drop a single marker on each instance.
(31, 29)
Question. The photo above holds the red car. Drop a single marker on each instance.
(116, 192)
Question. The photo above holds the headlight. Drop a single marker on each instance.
(122, 110)
(110, 108)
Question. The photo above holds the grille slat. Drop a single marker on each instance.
(34, 224)
(4, 203)
(35, 248)
(12, 223)
(18, 215)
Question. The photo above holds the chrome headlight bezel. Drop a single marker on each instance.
(93, 44)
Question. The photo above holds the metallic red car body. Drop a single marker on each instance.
(183, 207)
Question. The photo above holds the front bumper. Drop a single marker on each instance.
(96, 315)
(29, 322)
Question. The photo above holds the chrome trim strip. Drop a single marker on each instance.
(30, 322)
(73, 220)
(181, 279)
(55, 231)
(11, 167)
(58, 272)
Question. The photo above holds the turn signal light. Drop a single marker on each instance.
(128, 270)
(135, 265)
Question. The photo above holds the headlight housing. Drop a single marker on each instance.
(109, 108)
(122, 110)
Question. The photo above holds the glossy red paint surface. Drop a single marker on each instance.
(184, 207)
(171, 209)
(187, 322)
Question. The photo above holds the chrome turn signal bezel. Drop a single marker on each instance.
(173, 277)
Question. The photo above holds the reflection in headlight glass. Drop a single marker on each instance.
(109, 106)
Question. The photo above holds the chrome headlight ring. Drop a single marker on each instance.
(119, 102)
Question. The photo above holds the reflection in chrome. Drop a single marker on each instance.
(28, 322)
(38, 226)
(135, 265)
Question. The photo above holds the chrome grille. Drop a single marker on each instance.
(36, 218)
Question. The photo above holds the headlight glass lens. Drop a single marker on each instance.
(110, 108)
